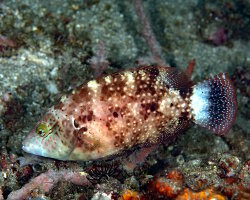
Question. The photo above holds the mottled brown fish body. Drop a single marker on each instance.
(119, 111)
(133, 108)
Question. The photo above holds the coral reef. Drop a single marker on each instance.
(45, 182)
(50, 47)
(130, 195)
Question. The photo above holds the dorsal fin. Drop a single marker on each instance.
(190, 68)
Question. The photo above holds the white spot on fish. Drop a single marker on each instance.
(93, 85)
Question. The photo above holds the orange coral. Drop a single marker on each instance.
(169, 186)
(175, 175)
(208, 194)
(130, 195)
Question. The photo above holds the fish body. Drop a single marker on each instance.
(138, 107)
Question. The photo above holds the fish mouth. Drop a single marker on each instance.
(25, 145)
(33, 149)
(24, 148)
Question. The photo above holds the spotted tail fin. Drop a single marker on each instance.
(213, 104)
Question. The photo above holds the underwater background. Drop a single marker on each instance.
(50, 47)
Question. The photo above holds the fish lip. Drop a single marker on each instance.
(24, 148)
(30, 148)
(25, 144)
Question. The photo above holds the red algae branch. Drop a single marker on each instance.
(46, 181)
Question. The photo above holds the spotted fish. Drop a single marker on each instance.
(134, 108)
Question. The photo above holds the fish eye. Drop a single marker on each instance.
(42, 130)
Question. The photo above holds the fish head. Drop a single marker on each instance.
(47, 138)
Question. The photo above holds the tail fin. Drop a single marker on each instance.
(213, 104)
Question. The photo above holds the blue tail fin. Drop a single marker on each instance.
(213, 104)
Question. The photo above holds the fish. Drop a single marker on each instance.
(138, 107)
